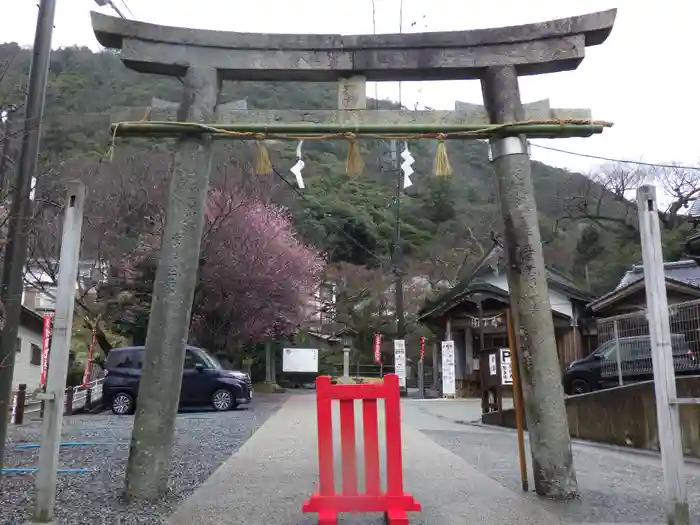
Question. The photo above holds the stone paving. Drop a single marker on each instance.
(269, 478)
(616, 486)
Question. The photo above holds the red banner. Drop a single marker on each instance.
(422, 348)
(377, 348)
(46, 338)
(88, 361)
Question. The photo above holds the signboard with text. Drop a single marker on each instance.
(400, 361)
(506, 366)
(449, 387)
(88, 361)
(493, 365)
(300, 360)
(377, 348)
(45, 344)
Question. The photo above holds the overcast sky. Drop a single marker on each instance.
(643, 78)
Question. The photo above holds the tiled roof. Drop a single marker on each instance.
(686, 271)
(694, 211)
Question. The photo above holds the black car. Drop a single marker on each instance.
(204, 381)
(600, 369)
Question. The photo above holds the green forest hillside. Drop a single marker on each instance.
(442, 217)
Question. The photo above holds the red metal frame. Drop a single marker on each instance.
(394, 503)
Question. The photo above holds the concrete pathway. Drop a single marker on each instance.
(271, 476)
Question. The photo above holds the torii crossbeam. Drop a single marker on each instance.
(533, 49)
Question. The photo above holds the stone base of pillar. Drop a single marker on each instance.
(269, 388)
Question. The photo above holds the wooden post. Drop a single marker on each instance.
(59, 356)
(20, 403)
(517, 401)
(69, 401)
(88, 400)
(436, 369)
(667, 404)
(268, 363)
(616, 332)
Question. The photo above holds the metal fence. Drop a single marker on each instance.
(91, 393)
(624, 344)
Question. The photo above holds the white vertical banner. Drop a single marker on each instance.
(493, 365)
(400, 361)
(448, 368)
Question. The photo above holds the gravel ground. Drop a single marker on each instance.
(202, 442)
(615, 487)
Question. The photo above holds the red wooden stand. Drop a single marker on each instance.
(394, 503)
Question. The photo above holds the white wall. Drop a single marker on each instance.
(557, 301)
(25, 372)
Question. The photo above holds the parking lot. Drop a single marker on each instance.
(97, 446)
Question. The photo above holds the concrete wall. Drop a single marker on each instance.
(624, 416)
(25, 371)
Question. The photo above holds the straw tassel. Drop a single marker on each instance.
(442, 162)
(354, 164)
(262, 164)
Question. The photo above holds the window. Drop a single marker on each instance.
(35, 358)
(123, 359)
(191, 359)
(18, 345)
(326, 293)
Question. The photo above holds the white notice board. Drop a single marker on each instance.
(448, 368)
(300, 360)
(400, 361)
(506, 367)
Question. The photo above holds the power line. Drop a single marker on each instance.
(128, 8)
(110, 3)
(339, 229)
(620, 161)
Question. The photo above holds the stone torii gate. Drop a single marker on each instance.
(496, 57)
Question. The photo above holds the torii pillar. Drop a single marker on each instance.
(496, 57)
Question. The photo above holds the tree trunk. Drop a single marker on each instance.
(159, 390)
(550, 444)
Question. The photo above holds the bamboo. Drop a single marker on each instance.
(517, 400)
(337, 131)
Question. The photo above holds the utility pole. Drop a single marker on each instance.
(396, 256)
(6, 157)
(667, 404)
(18, 232)
(59, 354)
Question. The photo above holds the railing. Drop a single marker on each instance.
(376, 371)
(84, 398)
(78, 399)
(625, 344)
(373, 371)
(24, 405)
